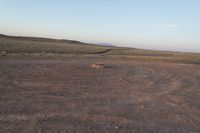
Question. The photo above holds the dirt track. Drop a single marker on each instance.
(67, 95)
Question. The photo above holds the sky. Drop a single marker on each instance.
(148, 24)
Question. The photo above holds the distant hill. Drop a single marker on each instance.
(1, 35)
(36, 45)
(21, 44)
(105, 44)
(39, 39)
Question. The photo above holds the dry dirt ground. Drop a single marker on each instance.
(67, 95)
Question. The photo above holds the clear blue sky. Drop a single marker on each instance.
(148, 24)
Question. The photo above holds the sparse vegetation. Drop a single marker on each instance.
(46, 94)
(28, 46)
(51, 85)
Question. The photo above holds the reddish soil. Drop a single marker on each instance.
(69, 96)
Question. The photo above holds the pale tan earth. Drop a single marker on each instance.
(67, 95)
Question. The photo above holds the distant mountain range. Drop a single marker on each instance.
(105, 44)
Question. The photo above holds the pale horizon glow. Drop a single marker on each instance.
(172, 25)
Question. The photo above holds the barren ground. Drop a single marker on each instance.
(66, 95)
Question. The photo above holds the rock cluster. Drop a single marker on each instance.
(102, 66)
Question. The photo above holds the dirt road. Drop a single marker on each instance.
(67, 95)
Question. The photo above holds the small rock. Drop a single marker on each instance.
(3, 52)
(42, 53)
(49, 54)
(151, 83)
